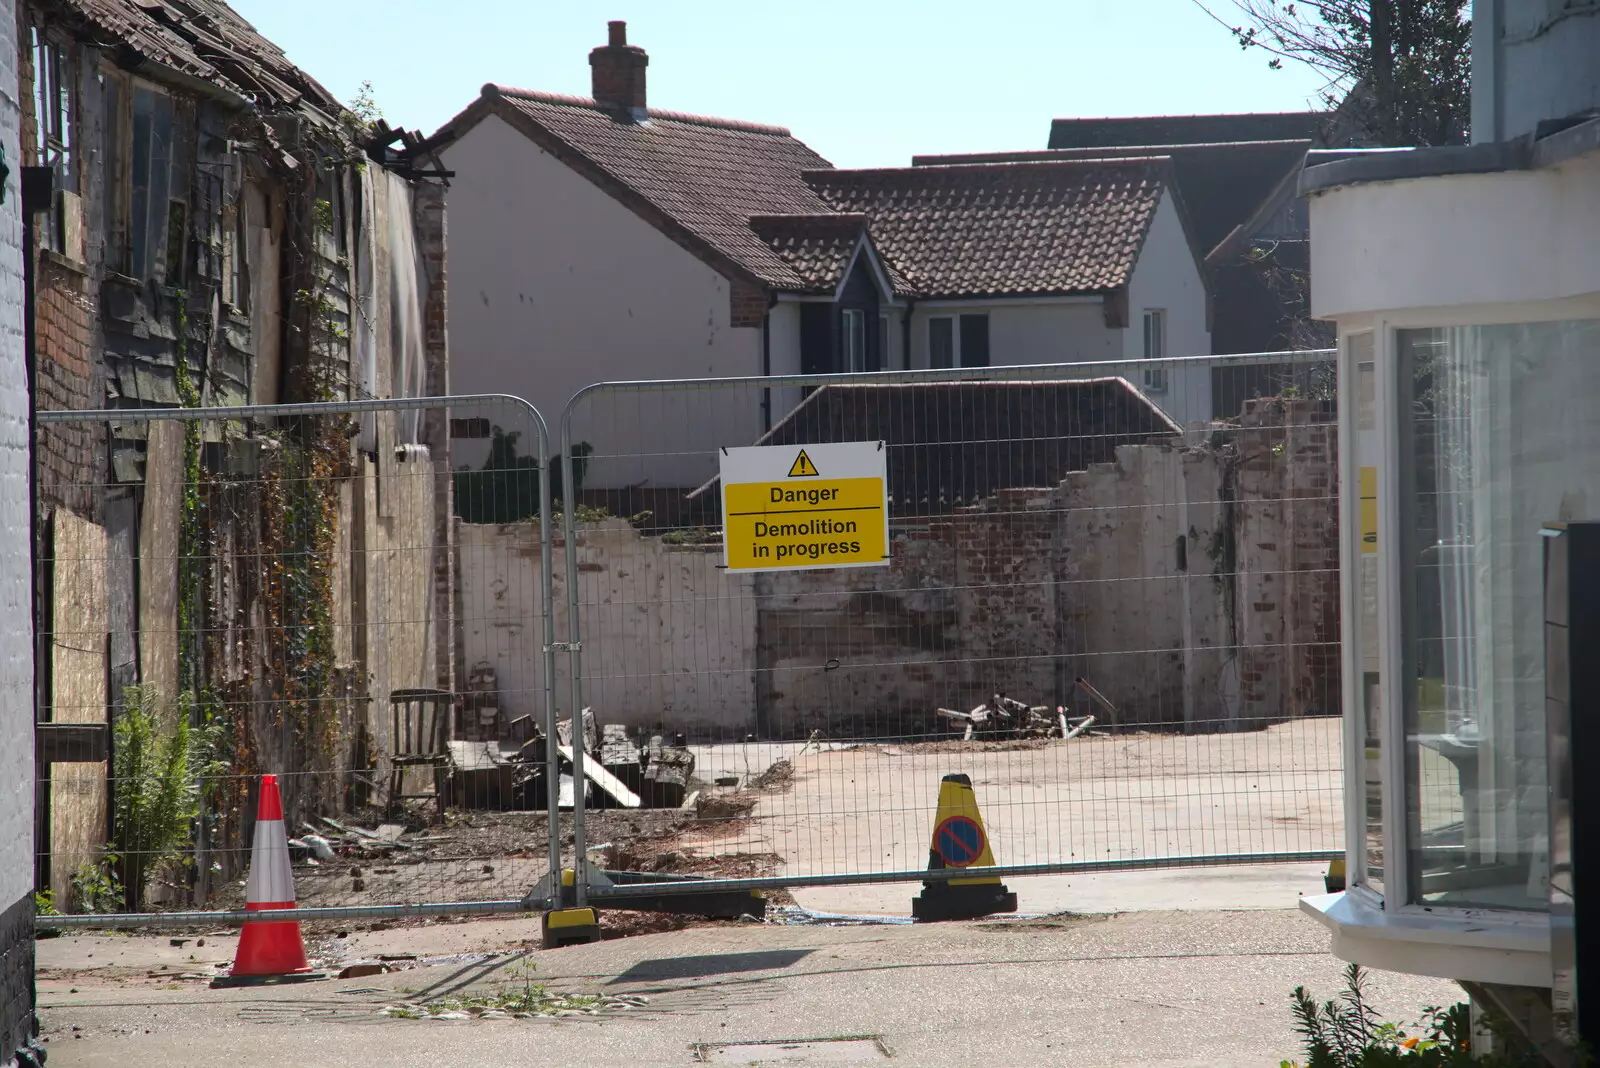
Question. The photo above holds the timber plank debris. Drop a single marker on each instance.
(1003, 716)
(597, 774)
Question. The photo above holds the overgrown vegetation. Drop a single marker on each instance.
(95, 886)
(155, 789)
(1347, 1032)
(190, 548)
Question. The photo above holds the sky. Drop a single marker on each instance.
(865, 84)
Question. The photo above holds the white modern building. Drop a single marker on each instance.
(1465, 283)
(598, 238)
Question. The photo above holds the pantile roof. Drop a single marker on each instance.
(1005, 229)
(1221, 184)
(818, 247)
(207, 40)
(704, 176)
(759, 204)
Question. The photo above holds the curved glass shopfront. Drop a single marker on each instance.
(1495, 436)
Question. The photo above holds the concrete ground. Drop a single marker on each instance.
(1154, 989)
(1159, 969)
(872, 808)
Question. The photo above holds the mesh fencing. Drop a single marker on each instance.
(1111, 598)
(282, 590)
(473, 655)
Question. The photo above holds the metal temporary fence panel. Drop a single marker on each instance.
(352, 596)
(1110, 597)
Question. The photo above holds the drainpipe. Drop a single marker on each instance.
(766, 362)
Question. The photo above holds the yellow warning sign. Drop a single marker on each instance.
(1369, 509)
(802, 466)
(787, 508)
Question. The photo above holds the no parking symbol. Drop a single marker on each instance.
(959, 840)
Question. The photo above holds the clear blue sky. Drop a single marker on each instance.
(864, 83)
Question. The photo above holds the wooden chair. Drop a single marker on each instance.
(421, 723)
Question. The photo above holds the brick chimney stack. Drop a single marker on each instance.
(617, 69)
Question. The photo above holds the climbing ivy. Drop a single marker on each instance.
(191, 551)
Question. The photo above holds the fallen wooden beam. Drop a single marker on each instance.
(1096, 696)
(597, 774)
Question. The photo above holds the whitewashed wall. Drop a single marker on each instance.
(554, 285)
(1066, 330)
(1168, 277)
(16, 640)
(668, 635)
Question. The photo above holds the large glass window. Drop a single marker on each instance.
(1498, 437)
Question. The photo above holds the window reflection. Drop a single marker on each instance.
(1498, 439)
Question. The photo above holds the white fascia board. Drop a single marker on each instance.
(989, 302)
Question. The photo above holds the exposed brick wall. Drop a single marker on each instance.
(66, 372)
(1032, 588)
(747, 304)
(70, 457)
(1156, 575)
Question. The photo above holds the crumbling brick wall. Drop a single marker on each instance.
(432, 235)
(1195, 585)
(1287, 531)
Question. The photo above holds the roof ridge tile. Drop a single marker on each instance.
(569, 100)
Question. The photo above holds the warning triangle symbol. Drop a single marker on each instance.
(802, 466)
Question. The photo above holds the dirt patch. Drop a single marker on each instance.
(779, 776)
(733, 806)
(621, 923)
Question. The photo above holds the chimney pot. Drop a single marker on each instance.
(617, 70)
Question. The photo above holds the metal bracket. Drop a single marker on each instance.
(564, 647)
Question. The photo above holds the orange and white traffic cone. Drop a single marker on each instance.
(271, 950)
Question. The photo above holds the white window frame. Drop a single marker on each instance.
(1155, 348)
(954, 319)
(54, 125)
(853, 339)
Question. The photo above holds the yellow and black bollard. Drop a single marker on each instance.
(569, 926)
(960, 841)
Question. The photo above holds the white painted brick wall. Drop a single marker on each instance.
(16, 638)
